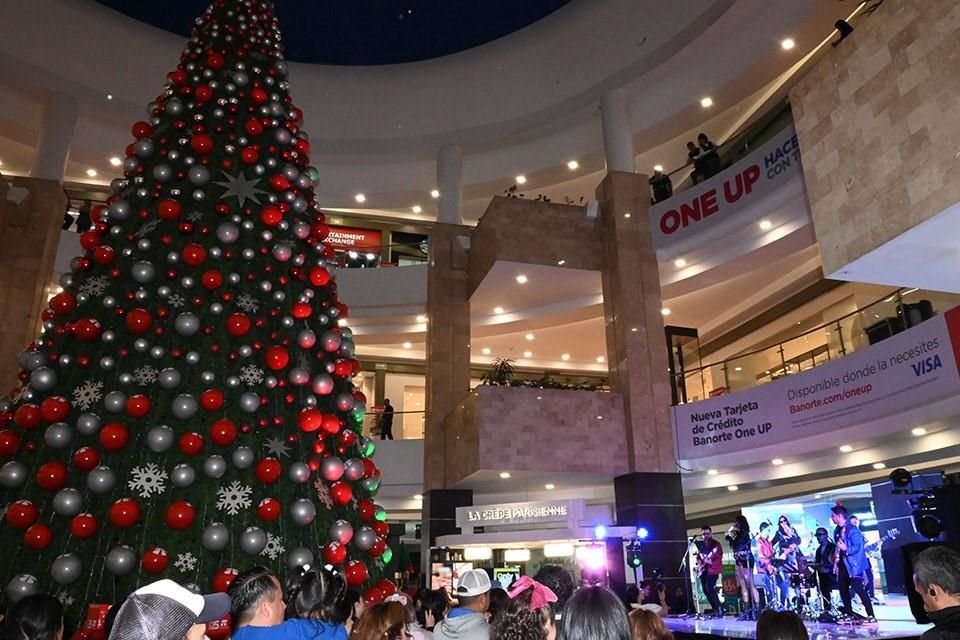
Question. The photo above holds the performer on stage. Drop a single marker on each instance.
(709, 567)
(869, 549)
(739, 538)
(851, 564)
(785, 543)
(824, 558)
(766, 572)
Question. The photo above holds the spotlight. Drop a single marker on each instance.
(642, 533)
(927, 524)
(600, 532)
(901, 479)
(634, 560)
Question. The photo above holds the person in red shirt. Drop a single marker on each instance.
(710, 566)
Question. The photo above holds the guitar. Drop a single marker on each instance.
(890, 535)
(704, 560)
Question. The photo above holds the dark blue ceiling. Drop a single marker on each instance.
(366, 32)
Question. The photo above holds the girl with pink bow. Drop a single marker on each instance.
(528, 615)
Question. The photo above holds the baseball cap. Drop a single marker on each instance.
(474, 582)
(164, 610)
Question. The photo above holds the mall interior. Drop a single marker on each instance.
(586, 366)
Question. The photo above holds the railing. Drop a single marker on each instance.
(392, 255)
(902, 309)
(407, 425)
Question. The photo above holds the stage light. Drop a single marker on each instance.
(642, 533)
(901, 479)
(600, 532)
(593, 557)
(927, 524)
(477, 553)
(634, 559)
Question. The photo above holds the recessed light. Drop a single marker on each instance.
(408, 345)
(109, 96)
(528, 337)
(845, 448)
(733, 487)
(528, 354)
(421, 318)
(918, 431)
(521, 179)
(738, 368)
(504, 475)
(626, 215)
(1, 163)
(777, 462)
(561, 262)
(565, 357)
(665, 311)
(818, 496)
(92, 173)
(679, 263)
(521, 279)
(573, 165)
(658, 167)
(434, 193)
(879, 465)
(634, 329)
(115, 161)
(360, 198)
(498, 310)
(787, 43)
(416, 208)
(712, 472)
(601, 359)
(599, 417)
(485, 351)
(549, 486)
(706, 102)
(765, 225)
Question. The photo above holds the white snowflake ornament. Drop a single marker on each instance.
(186, 562)
(95, 286)
(88, 394)
(176, 300)
(251, 375)
(145, 376)
(274, 548)
(323, 492)
(148, 480)
(247, 303)
(234, 498)
(65, 599)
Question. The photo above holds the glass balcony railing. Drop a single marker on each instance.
(896, 312)
(407, 425)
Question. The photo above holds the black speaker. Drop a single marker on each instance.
(910, 552)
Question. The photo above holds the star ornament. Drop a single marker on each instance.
(277, 447)
(240, 187)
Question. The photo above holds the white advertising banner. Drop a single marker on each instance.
(906, 371)
(713, 201)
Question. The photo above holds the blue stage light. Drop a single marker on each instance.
(642, 533)
(600, 532)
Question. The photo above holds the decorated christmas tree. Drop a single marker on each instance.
(188, 409)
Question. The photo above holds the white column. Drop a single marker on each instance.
(56, 135)
(617, 134)
(449, 183)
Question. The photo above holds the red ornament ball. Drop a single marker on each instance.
(271, 215)
(238, 325)
(382, 529)
(86, 330)
(180, 515)
(114, 436)
(268, 470)
(139, 321)
(155, 560)
(83, 526)
(211, 400)
(27, 416)
(211, 280)
(141, 129)
(215, 61)
(334, 553)
(367, 510)
(373, 595)
(52, 476)
(54, 409)
(269, 509)
(331, 424)
(341, 493)
(21, 514)
(310, 420)
(301, 310)
(63, 303)
(319, 276)
(202, 144)
(355, 573)
(169, 210)
(86, 459)
(38, 537)
(191, 443)
(138, 406)
(223, 578)
(193, 254)
(377, 549)
(9, 442)
(387, 587)
(277, 358)
(223, 432)
(124, 513)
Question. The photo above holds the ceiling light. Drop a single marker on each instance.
(601, 359)
(416, 208)
(421, 318)
(777, 462)
(521, 179)
(765, 225)
(626, 215)
(845, 448)
(918, 431)
(516, 555)
(115, 161)
(565, 357)
(712, 472)
(498, 310)
(573, 165)
(879, 465)
(1, 163)
(561, 262)
(679, 263)
(529, 337)
(599, 417)
(658, 167)
(92, 173)
(360, 198)
(706, 102)
(665, 311)
(558, 550)
(434, 193)
(818, 496)
(634, 329)
(109, 96)
(733, 487)
(528, 354)
(521, 279)
(477, 553)
(408, 345)
(504, 475)
(738, 368)
(485, 351)
(787, 43)
(549, 486)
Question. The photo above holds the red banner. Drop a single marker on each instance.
(352, 238)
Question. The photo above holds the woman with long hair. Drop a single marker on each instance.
(527, 614)
(786, 542)
(594, 613)
(383, 621)
(647, 625)
(36, 617)
(739, 538)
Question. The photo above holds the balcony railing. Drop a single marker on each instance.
(896, 312)
(407, 425)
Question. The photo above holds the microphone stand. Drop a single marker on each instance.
(684, 570)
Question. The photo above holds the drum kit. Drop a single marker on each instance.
(806, 598)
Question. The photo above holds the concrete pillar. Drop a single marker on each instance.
(449, 183)
(617, 132)
(636, 347)
(56, 136)
(448, 342)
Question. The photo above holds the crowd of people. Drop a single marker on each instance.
(316, 605)
(702, 154)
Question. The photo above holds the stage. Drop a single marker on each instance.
(894, 620)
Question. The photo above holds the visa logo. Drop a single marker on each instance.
(925, 366)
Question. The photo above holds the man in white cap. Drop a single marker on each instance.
(164, 610)
(467, 621)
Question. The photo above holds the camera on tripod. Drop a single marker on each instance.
(924, 502)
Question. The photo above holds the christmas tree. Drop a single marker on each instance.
(188, 409)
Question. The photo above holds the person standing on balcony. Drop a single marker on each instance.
(709, 158)
(386, 421)
(695, 157)
(660, 185)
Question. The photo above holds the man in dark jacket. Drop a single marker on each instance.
(936, 577)
(852, 564)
